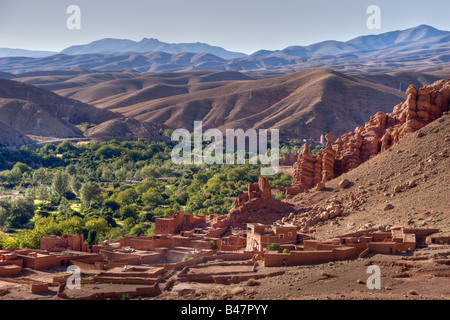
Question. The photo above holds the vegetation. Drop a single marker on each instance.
(274, 247)
(108, 190)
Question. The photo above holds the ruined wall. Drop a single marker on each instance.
(275, 259)
(65, 242)
(257, 206)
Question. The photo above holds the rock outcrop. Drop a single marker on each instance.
(257, 205)
(310, 170)
(379, 134)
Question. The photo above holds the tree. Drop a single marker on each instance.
(64, 208)
(21, 212)
(90, 193)
(3, 216)
(213, 245)
(42, 192)
(60, 183)
(92, 237)
(274, 247)
(139, 230)
(127, 197)
(152, 197)
(128, 212)
(99, 225)
(22, 167)
(75, 184)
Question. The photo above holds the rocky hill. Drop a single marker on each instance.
(70, 110)
(379, 134)
(9, 137)
(29, 118)
(403, 185)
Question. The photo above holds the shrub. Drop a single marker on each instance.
(274, 247)
(252, 283)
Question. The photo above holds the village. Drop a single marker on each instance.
(188, 249)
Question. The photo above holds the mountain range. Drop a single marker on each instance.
(302, 105)
(422, 48)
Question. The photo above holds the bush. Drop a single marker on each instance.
(252, 283)
(274, 247)
(213, 245)
(286, 251)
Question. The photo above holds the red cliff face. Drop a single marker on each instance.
(379, 134)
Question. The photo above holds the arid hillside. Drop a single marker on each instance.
(10, 137)
(72, 111)
(124, 129)
(406, 185)
(301, 105)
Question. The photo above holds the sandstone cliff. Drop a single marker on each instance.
(379, 134)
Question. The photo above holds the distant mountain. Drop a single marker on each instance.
(422, 49)
(108, 46)
(368, 43)
(6, 52)
(302, 105)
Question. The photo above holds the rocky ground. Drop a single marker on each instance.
(406, 185)
(422, 275)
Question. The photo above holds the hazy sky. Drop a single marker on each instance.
(237, 25)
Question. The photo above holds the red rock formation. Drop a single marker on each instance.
(257, 206)
(379, 134)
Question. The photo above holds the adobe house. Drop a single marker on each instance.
(178, 222)
(64, 243)
(259, 236)
(10, 265)
(232, 243)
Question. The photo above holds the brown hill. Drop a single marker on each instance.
(29, 118)
(301, 105)
(379, 134)
(69, 110)
(124, 129)
(375, 195)
(9, 137)
(404, 185)
(125, 91)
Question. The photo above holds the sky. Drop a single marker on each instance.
(237, 25)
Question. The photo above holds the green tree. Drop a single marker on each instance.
(152, 197)
(75, 184)
(92, 237)
(274, 247)
(99, 225)
(64, 208)
(90, 193)
(60, 183)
